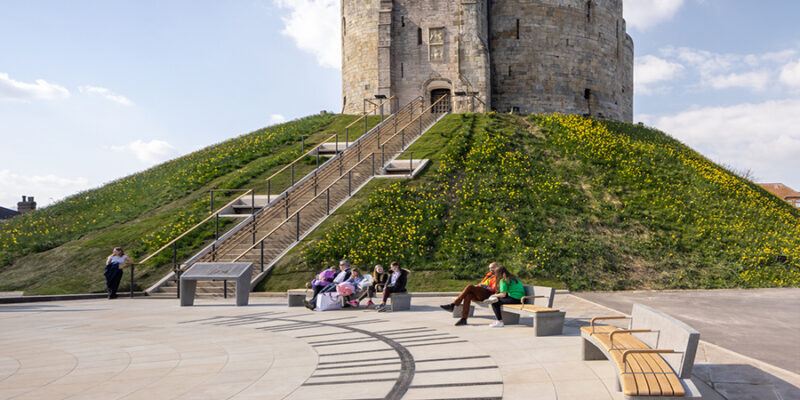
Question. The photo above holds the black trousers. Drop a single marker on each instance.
(498, 305)
(113, 276)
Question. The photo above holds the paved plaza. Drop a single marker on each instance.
(154, 349)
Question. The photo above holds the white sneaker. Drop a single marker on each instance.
(497, 324)
(490, 300)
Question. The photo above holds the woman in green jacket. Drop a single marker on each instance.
(509, 291)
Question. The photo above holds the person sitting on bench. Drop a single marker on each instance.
(509, 291)
(397, 283)
(379, 279)
(344, 273)
(479, 292)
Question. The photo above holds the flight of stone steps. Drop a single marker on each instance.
(274, 229)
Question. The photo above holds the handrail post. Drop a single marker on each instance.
(340, 166)
(359, 151)
(411, 163)
(402, 139)
(337, 141)
(262, 255)
(132, 271)
(328, 201)
(373, 164)
(315, 183)
(318, 156)
(349, 182)
(287, 205)
(365, 123)
(420, 124)
(292, 175)
(383, 155)
(269, 190)
(253, 213)
(297, 231)
(175, 267)
(212, 200)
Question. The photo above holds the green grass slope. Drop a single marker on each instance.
(62, 248)
(595, 205)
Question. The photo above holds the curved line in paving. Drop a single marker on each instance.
(407, 366)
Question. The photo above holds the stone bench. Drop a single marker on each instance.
(547, 320)
(296, 297)
(653, 357)
(400, 301)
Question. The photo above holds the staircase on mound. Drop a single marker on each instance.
(272, 230)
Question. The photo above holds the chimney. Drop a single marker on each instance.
(26, 205)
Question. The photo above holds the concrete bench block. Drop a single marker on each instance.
(296, 297)
(548, 323)
(401, 301)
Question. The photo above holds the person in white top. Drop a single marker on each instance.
(113, 273)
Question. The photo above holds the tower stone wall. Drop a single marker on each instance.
(571, 56)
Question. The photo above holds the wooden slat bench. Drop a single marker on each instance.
(547, 320)
(653, 358)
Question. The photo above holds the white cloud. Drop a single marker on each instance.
(645, 14)
(754, 80)
(762, 137)
(11, 90)
(46, 189)
(790, 74)
(276, 119)
(649, 70)
(314, 26)
(149, 153)
(107, 93)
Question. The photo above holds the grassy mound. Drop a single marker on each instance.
(596, 205)
(62, 248)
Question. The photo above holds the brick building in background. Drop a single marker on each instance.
(784, 192)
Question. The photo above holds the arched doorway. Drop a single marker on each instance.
(444, 105)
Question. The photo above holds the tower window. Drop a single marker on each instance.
(402, 20)
(402, 72)
(509, 70)
(344, 26)
(419, 36)
(587, 93)
(517, 29)
(589, 11)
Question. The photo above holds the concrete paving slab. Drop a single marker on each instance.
(154, 349)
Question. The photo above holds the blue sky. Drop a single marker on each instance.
(91, 91)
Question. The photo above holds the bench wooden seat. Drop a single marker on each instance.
(639, 354)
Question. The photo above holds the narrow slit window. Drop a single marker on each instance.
(402, 72)
(589, 11)
(402, 20)
(344, 26)
(509, 70)
(419, 36)
(518, 29)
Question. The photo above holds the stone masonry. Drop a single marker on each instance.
(528, 56)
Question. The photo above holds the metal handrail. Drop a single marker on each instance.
(236, 230)
(301, 157)
(364, 115)
(271, 201)
(294, 214)
(421, 114)
(173, 241)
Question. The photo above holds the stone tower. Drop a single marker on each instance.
(529, 56)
